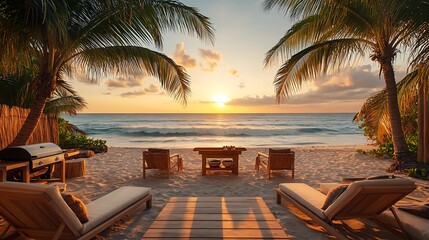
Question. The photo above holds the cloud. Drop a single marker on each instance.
(107, 93)
(133, 94)
(151, 89)
(210, 59)
(124, 82)
(353, 85)
(242, 85)
(182, 58)
(233, 72)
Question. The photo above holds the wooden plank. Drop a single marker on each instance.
(271, 224)
(212, 205)
(214, 217)
(215, 199)
(224, 233)
(214, 210)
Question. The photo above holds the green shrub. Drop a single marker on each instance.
(69, 139)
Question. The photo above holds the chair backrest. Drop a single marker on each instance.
(37, 210)
(369, 198)
(156, 159)
(281, 159)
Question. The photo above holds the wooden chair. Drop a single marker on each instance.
(277, 159)
(162, 160)
(38, 211)
(361, 199)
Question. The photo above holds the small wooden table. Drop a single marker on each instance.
(10, 165)
(215, 217)
(207, 152)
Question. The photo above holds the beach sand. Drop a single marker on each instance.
(123, 166)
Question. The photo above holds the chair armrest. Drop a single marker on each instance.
(262, 155)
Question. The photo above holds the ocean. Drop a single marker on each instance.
(216, 130)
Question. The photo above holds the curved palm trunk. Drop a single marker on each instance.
(423, 147)
(33, 117)
(402, 153)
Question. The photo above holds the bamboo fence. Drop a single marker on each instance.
(12, 118)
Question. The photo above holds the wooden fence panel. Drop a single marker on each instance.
(12, 118)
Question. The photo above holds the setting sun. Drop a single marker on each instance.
(220, 100)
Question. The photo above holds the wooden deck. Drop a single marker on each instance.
(215, 218)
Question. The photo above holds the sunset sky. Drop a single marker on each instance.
(232, 71)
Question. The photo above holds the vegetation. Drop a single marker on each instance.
(332, 34)
(73, 137)
(95, 37)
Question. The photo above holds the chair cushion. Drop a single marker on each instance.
(158, 150)
(279, 150)
(306, 196)
(111, 204)
(418, 210)
(416, 227)
(77, 206)
(325, 187)
(332, 195)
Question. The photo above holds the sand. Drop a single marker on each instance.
(123, 167)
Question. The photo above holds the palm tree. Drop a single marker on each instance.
(332, 34)
(94, 36)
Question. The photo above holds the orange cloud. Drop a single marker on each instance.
(211, 59)
(182, 58)
(233, 72)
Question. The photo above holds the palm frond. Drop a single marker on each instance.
(307, 64)
(138, 61)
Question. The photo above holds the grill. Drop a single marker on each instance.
(40, 156)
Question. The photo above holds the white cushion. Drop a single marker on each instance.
(109, 205)
(306, 196)
(416, 227)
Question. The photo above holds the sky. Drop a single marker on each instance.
(229, 76)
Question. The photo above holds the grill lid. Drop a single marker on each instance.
(29, 152)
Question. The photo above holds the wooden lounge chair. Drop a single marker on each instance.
(161, 159)
(277, 159)
(39, 212)
(361, 199)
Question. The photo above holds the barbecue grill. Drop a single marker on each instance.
(41, 156)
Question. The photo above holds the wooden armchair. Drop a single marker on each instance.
(161, 159)
(277, 159)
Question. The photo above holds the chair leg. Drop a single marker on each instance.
(293, 172)
(399, 223)
(269, 173)
(257, 162)
(144, 171)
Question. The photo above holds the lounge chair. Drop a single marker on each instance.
(277, 159)
(361, 199)
(39, 211)
(161, 159)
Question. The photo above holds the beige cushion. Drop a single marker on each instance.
(354, 187)
(53, 193)
(109, 205)
(416, 227)
(306, 196)
(332, 195)
(325, 187)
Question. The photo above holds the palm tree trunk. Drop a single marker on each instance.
(36, 110)
(402, 154)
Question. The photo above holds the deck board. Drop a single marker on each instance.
(215, 218)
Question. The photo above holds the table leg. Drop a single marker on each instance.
(26, 174)
(62, 169)
(235, 168)
(203, 165)
(3, 174)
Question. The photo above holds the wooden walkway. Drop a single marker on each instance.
(215, 218)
